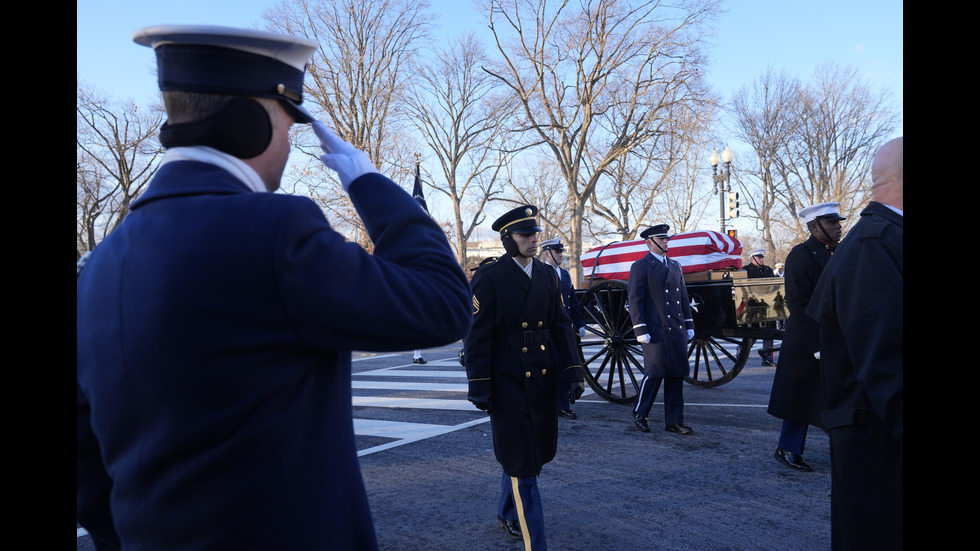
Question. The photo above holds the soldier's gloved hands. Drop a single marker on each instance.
(581, 332)
(348, 161)
(575, 391)
(482, 403)
(816, 354)
(644, 338)
(690, 334)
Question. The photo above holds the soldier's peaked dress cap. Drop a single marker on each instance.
(553, 245)
(660, 230)
(225, 60)
(821, 211)
(519, 220)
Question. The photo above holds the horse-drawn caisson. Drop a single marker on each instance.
(730, 312)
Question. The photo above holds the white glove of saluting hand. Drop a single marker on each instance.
(348, 161)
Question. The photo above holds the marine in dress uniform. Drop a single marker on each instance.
(520, 343)
(758, 268)
(795, 397)
(215, 324)
(552, 251)
(859, 306)
(661, 315)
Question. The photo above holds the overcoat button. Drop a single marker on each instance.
(542, 347)
(544, 371)
(540, 323)
(524, 324)
(524, 350)
(527, 374)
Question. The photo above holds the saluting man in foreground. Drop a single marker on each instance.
(520, 330)
(215, 324)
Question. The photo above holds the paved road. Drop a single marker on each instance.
(428, 464)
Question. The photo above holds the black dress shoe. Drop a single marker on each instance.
(680, 429)
(567, 413)
(418, 360)
(793, 460)
(641, 422)
(512, 527)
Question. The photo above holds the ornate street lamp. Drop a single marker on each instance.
(722, 183)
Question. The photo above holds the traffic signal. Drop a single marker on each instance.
(733, 204)
(733, 234)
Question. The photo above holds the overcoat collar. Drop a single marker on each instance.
(658, 264)
(875, 208)
(190, 178)
(537, 287)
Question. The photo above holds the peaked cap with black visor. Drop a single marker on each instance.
(244, 63)
(659, 231)
(823, 211)
(521, 220)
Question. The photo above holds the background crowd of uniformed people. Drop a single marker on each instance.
(215, 328)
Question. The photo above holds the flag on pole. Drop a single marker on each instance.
(417, 192)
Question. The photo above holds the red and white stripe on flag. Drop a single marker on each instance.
(697, 251)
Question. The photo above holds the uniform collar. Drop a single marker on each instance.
(233, 165)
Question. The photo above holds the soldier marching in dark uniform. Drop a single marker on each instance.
(520, 330)
(661, 314)
(758, 268)
(552, 251)
(796, 397)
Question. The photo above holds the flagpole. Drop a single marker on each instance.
(417, 191)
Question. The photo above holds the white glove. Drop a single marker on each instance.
(816, 354)
(644, 338)
(348, 161)
(690, 334)
(581, 332)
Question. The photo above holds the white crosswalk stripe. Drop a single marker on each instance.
(405, 379)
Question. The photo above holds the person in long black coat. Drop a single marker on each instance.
(520, 343)
(795, 396)
(661, 314)
(552, 254)
(859, 305)
(215, 324)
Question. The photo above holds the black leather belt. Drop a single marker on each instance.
(526, 337)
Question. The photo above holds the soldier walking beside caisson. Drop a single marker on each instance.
(520, 343)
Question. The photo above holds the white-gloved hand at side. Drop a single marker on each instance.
(644, 338)
(348, 161)
(690, 334)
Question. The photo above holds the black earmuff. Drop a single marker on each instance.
(241, 128)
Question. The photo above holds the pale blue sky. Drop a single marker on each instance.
(753, 34)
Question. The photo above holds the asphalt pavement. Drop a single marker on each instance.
(433, 482)
(614, 488)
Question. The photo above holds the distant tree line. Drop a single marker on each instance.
(597, 112)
